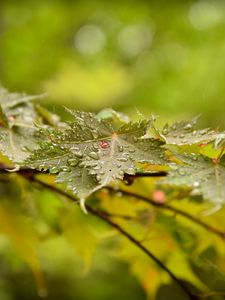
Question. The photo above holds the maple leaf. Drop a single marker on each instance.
(91, 152)
(205, 176)
(185, 133)
(18, 117)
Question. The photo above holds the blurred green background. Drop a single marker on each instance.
(161, 57)
(166, 57)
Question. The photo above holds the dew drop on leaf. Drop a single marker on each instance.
(54, 170)
(65, 169)
(120, 148)
(123, 159)
(78, 154)
(93, 155)
(188, 126)
(131, 150)
(72, 162)
(196, 184)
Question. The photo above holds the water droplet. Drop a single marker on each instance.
(81, 164)
(135, 139)
(93, 155)
(96, 167)
(120, 148)
(78, 154)
(123, 159)
(182, 136)
(54, 170)
(121, 173)
(131, 150)
(74, 149)
(72, 162)
(65, 169)
(196, 184)
(188, 126)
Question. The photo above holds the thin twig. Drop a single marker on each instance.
(175, 210)
(31, 172)
(5, 169)
(143, 248)
(105, 217)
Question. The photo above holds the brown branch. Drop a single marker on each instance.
(105, 217)
(158, 262)
(129, 178)
(175, 210)
(5, 169)
(26, 172)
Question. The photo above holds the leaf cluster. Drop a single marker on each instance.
(95, 150)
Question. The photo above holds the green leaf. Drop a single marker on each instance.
(185, 133)
(11, 100)
(205, 176)
(91, 152)
(18, 132)
(206, 267)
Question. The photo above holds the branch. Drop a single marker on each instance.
(182, 213)
(4, 169)
(105, 217)
(26, 172)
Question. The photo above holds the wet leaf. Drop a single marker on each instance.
(91, 152)
(203, 175)
(18, 132)
(185, 133)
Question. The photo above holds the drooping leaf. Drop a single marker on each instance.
(91, 152)
(24, 239)
(208, 270)
(204, 175)
(80, 235)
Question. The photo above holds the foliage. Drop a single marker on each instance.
(130, 171)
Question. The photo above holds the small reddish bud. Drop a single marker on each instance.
(215, 161)
(202, 145)
(104, 144)
(159, 196)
